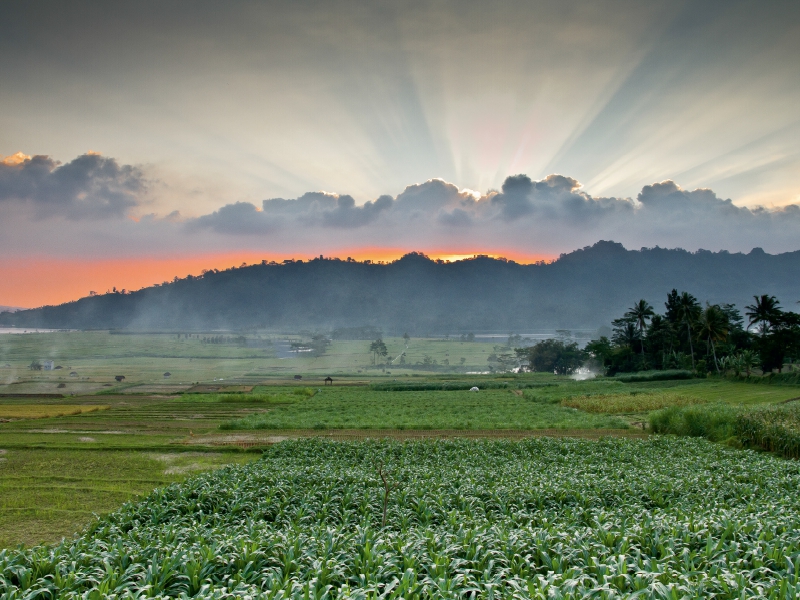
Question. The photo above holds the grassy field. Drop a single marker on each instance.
(673, 518)
(362, 408)
(47, 494)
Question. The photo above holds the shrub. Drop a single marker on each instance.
(715, 422)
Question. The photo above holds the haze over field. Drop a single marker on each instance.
(144, 141)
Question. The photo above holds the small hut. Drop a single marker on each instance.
(328, 380)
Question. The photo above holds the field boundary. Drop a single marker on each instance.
(274, 436)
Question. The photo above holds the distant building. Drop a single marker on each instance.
(48, 365)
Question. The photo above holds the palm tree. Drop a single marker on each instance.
(639, 314)
(689, 310)
(763, 312)
(713, 326)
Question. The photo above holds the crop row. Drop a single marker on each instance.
(662, 518)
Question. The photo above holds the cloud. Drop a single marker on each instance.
(526, 217)
(348, 215)
(550, 211)
(240, 218)
(89, 187)
(555, 197)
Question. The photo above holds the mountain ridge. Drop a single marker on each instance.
(585, 288)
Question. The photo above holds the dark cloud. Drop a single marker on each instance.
(667, 196)
(89, 187)
(347, 214)
(555, 197)
(553, 206)
(236, 219)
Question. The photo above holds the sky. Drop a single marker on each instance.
(140, 141)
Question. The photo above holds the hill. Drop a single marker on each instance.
(583, 289)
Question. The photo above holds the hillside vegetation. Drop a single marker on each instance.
(586, 288)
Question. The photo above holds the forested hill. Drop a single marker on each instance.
(583, 289)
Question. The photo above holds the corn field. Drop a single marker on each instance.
(539, 518)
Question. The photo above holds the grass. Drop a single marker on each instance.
(715, 422)
(661, 518)
(773, 428)
(46, 495)
(362, 408)
(632, 402)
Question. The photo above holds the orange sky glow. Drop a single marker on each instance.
(39, 281)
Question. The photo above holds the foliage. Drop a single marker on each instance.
(715, 422)
(674, 518)
(553, 356)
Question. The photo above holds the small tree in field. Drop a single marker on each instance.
(378, 348)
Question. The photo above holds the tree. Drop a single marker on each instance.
(35, 366)
(640, 313)
(763, 312)
(712, 325)
(406, 338)
(659, 339)
(625, 332)
(600, 350)
(554, 356)
(688, 312)
(378, 348)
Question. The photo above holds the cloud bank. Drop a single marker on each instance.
(80, 208)
(89, 187)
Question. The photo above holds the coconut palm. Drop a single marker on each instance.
(689, 311)
(763, 312)
(713, 326)
(639, 314)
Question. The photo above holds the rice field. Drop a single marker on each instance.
(671, 518)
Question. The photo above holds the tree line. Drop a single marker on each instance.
(703, 338)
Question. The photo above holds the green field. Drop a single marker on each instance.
(362, 408)
(565, 517)
(673, 518)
